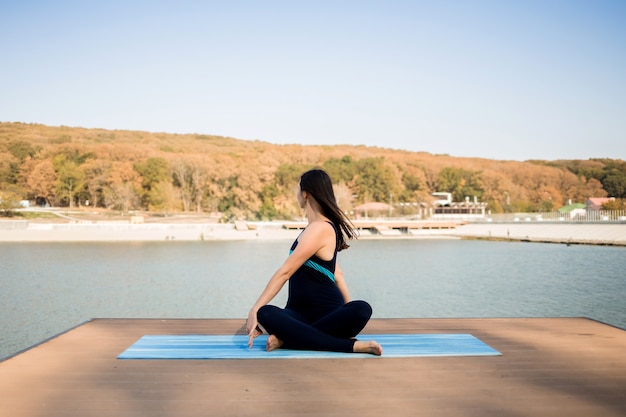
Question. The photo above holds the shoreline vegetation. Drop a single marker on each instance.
(91, 226)
(125, 171)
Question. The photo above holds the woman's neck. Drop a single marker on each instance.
(312, 214)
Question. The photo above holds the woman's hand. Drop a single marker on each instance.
(252, 327)
(315, 237)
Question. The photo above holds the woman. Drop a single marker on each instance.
(319, 314)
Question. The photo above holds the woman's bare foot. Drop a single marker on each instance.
(273, 343)
(368, 346)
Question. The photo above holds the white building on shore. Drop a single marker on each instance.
(446, 209)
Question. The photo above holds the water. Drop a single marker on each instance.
(46, 288)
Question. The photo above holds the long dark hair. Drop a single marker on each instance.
(318, 183)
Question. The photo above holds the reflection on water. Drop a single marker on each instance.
(49, 287)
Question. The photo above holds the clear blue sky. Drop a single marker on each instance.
(531, 79)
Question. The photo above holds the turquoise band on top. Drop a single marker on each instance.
(318, 268)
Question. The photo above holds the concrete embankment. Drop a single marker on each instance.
(568, 233)
(125, 232)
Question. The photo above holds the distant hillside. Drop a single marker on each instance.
(161, 172)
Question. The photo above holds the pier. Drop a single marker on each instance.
(390, 227)
(548, 367)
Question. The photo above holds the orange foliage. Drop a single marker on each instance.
(208, 172)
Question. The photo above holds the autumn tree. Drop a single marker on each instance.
(246, 194)
(187, 177)
(212, 190)
(121, 191)
(589, 188)
(125, 170)
(199, 179)
(278, 196)
(432, 179)
(41, 178)
(615, 204)
(16, 154)
(611, 173)
(9, 202)
(96, 180)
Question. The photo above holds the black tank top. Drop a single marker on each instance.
(312, 288)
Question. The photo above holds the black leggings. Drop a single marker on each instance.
(333, 332)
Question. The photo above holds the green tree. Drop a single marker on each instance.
(460, 182)
(450, 179)
(615, 184)
(288, 175)
(414, 191)
(411, 182)
(374, 180)
(70, 179)
(22, 149)
(9, 168)
(341, 169)
(268, 211)
(228, 201)
(154, 172)
(162, 197)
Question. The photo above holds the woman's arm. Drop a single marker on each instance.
(309, 243)
(271, 289)
(341, 284)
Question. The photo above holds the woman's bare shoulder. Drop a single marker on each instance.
(321, 226)
(317, 230)
(319, 237)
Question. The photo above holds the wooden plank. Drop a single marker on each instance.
(549, 367)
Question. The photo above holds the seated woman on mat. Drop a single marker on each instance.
(319, 314)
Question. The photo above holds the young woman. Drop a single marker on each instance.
(319, 314)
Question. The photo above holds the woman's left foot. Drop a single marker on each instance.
(273, 343)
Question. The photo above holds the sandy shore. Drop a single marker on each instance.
(124, 231)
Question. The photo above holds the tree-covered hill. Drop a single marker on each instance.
(161, 172)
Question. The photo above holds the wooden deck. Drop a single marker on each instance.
(549, 367)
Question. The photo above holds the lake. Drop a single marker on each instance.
(47, 288)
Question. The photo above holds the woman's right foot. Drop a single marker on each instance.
(368, 346)
(273, 343)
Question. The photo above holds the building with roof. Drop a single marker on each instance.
(573, 209)
(595, 203)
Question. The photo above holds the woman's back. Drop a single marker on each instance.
(312, 289)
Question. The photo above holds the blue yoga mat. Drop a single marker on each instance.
(236, 347)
